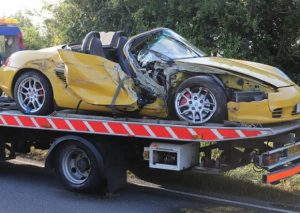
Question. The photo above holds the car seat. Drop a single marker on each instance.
(96, 47)
(92, 44)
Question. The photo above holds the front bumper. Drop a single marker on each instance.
(279, 107)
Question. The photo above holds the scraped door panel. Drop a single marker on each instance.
(95, 80)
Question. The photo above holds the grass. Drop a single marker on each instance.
(242, 182)
(247, 174)
(36, 154)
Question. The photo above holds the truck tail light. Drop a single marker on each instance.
(271, 159)
(21, 44)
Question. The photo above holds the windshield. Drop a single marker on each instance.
(180, 40)
(169, 45)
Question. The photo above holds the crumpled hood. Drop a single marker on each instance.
(262, 72)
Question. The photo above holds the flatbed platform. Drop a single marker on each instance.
(143, 128)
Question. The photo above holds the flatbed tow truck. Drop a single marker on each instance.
(89, 150)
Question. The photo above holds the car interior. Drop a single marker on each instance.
(104, 44)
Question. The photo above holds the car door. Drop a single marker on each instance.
(98, 81)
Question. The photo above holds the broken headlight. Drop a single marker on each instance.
(249, 96)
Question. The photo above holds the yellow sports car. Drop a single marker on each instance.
(156, 74)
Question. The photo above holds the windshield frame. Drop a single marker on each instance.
(175, 36)
(138, 39)
(174, 39)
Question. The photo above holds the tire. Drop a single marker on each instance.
(199, 106)
(33, 94)
(78, 174)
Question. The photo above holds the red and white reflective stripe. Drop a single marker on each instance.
(128, 129)
(88, 126)
(133, 129)
(171, 132)
(108, 128)
(51, 123)
(2, 121)
(149, 131)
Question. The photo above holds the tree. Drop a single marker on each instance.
(31, 35)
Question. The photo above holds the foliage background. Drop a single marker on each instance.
(266, 31)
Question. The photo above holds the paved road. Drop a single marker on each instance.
(26, 188)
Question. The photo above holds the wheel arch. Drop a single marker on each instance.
(213, 77)
(188, 75)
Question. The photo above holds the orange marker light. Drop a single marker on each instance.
(11, 21)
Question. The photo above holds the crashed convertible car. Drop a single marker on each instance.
(155, 74)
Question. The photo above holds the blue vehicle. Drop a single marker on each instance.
(10, 38)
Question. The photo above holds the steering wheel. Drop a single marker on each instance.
(85, 47)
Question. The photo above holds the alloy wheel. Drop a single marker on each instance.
(196, 105)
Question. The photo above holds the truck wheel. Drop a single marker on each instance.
(199, 100)
(78, 169)
(33, 94)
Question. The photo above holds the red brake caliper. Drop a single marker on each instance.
(183, 100)
(41, 92)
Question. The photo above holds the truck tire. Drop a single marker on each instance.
(77, 168)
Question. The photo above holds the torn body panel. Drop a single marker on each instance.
(230, 80)
(97, 81)
(266, 74)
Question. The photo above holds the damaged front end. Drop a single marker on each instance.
(255, 93)
(250, 100)
(273, 107)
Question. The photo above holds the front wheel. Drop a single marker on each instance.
(199, 100)
(33, 94)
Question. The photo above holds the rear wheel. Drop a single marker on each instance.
(199, 100)
(77, 168)
(33, 94)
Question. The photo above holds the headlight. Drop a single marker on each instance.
(249, 96)
(282, 74)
